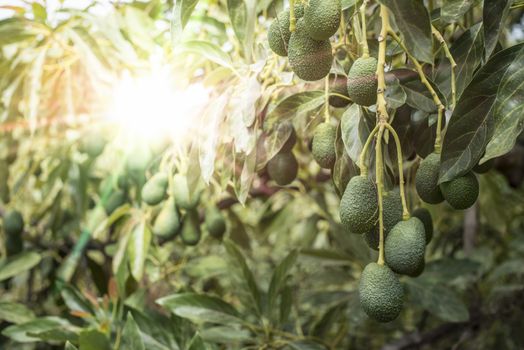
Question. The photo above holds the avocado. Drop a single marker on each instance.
(338, 85)
(183, 198)
(154, 190)
(392, 213)
(92, 143)
(359, 205)
(462, 192)
(278, 34)
(167, 222)
(380, 292)
(405, 247)
(425, 216)
(426, 180)
(13, 227)
(362, 81)
(484, 167)
(115, 200)
(323, 147)
(310, 59)
(322, 18)
(191, 228)
(215, 222)
(283, 168)
(290, 142)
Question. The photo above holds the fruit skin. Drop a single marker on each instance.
(462, 192)
(13, 227)
(322, 18)
(115, 200)
(405, 247)
(310, 59)
(381, 294)
(167, 222)
(278, 34)
(338, 85)
(191, 228)
(426, 180)
(425, 216)
(484, 167)
(283, 168)
(183, 198)
(359, 205)
(392, 205)
(362, 81)
(290, 142)
(215, 222)
(92, 143)
(154, 190)
(323, 147)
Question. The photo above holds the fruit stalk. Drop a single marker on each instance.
(326, 103)
(362, 160)
(292, 19)
(452, 62)
(405, 212)
(364, 40)
(379, 174)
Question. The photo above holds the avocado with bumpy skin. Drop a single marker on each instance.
(426, 180)
(190, 234)
(380, 292)
(362, 81)
(322, 18)
(154, 190)
(338, 85)
(462, 192)
(278, 34)
(323, 147)
(167, 222)
(392, 211)
(359, 205)
(405, 247)
(215, 222)
(425, 216)
(283, 168)
(310, 59)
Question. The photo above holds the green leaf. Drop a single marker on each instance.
(414, 24)
(306, 345)
(395, 94)
(511, 267)
(93, 340)
(18, 264)
(207, 50)
(348, 3)
(355, 129)
(70, 346)
(137, 249)
(181, 13)
(55, 335)
(278, 280)
(20, 332)
(418, 96)
(494, 16)
(39, 12)
(196, 343)
(453, 10)
(131, 338)
(294, 106)
(489, 105)
(224, 334)
(200, 308)
(238, 15)
(15, 313)
(248, 278)
(76, 301)
(438, 299)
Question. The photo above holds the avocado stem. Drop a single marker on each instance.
(380, 185)
(452, 63)
(292, 19)
(326, 103)
(405, 211)
(362, 160)
(364, 39)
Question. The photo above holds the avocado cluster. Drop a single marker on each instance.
(362, 81)
(308, 47)
(323, 146)
(392, 214)
(461, 192)
(283, 167)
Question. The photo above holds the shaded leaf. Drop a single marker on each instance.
(75, 301)
(279, 277)
(70, 346)
(494, 16)
(20, 332)
(306, 345)
(137, 249)
(355, 129)
(18, 264)
(453, 10)
(196, 343)
(93, 340)
(418, 97)
(207, 50)
(15, 313)
(131, 338)
(294, 106)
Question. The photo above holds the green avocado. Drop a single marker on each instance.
(405, 247)
(154, 190)
(13, 227)
(462, 192)
(425, 216)
(283, 168)
(92, 143)
(310, 59)
(484, 167)
(392, 206)
(338, 85)
(215, 222)
(323, 147)
(167, 222)
(322, 18)
(380, 292)
(359, 205)
(290, 142)
(278, 34)
(183, 198)
(362, 81)
(426, 180)
(191, 228)
(115, 200)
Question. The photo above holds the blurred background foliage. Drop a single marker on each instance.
(285, 274)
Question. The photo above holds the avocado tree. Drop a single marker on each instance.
(240, 174)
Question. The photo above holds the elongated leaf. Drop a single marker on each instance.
(20, 332)
(15, 313)
(181, 13)
(93, 340)
(131, 338)
(494, 17)
(137, 249)
(206, 49)
(278, 279)
(395, 94)
(355, 129)
(306, 345)
(480, 113)
(75, 301)
(238, 16)
(18, 264)
(197, 343)
(453, 10)
(294, 105)
(70, 346)
(418, 96)
(200, 308)
(414, 24)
